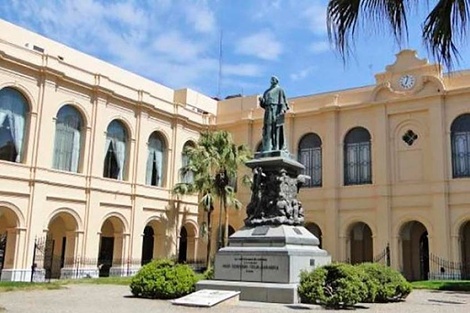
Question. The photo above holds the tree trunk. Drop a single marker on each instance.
(226, 225)
(209, 239)
(220, 241)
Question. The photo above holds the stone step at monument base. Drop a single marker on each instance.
(255, 291)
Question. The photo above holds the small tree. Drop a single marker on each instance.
(213, 162)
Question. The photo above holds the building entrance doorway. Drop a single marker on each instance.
(415, 251)
(360, 241)
(147, 245)
(465, 249)
(105, 257)
(183, 246)
(3, 246)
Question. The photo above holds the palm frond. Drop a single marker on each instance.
(446, 25)
(343, 17)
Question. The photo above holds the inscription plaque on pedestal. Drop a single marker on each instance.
(255, 268)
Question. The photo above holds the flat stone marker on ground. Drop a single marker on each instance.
(208, 298)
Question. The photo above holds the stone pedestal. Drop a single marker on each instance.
(264, 259)
(264, 262)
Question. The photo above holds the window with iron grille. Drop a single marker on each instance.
(155, 160)
(460, 141)
(357, 157)
(68, 141)
(115, 151)
(310, 155)
(13, 113)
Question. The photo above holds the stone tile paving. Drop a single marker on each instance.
(118, 299)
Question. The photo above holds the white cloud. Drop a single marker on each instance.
(315, 16)
(302, 73)
(263, 45)
(250, 70)
(174, 45)
(320, 47)
(200, 17)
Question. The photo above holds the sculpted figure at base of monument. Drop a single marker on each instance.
(274, 199)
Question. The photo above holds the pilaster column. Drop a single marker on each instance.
(20, 248)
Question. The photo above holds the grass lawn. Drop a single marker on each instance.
(101, 281)
(452, 285)
(58, 284)
(13, 286)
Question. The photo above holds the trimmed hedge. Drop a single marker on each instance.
(163, 279)
(342, 285)
(389, 285)
(334, 286)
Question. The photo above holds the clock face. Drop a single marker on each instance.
(407, 81)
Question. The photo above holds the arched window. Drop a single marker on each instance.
(13, 109)
(68, 139)
(357, 157)
(310, 155)
(460, 140)
(115, 151)
(155, 161)
(189, 176)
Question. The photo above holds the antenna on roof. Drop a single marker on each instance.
(219, 78)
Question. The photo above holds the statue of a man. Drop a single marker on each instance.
(275, 105)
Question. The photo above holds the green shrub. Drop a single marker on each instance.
(334, 286)
(209, 273)
(388, 283)
(163, 279)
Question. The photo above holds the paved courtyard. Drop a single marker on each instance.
(118, 299)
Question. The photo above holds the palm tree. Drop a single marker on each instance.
(442, 30)
(213, 162)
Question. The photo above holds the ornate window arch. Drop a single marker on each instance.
(155, 160)
(460, 141)
(13, 116)
(115, 151)
(357, 157)
(68, 139)
(310, 155)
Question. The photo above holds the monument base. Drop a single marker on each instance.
(252, 291)
(264, 262)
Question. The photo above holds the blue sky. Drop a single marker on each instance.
(176, 42)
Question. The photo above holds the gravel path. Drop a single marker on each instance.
(117, 299)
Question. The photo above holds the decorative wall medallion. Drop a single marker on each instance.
(409, 137)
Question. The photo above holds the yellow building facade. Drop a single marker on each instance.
(89, 154)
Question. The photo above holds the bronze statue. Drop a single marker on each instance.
(275, 105)
(276, 176)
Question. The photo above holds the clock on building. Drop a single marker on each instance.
(407, 81)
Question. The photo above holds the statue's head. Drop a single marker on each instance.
(274, 80)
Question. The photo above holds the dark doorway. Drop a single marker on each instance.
(424, 256)
(49, 256)
(3, 248)
(316, 231)
(147, 245)
(361, 249)
(183, 250)
(231, 230)
(105, 257)
(415, 251)
(465, 249)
